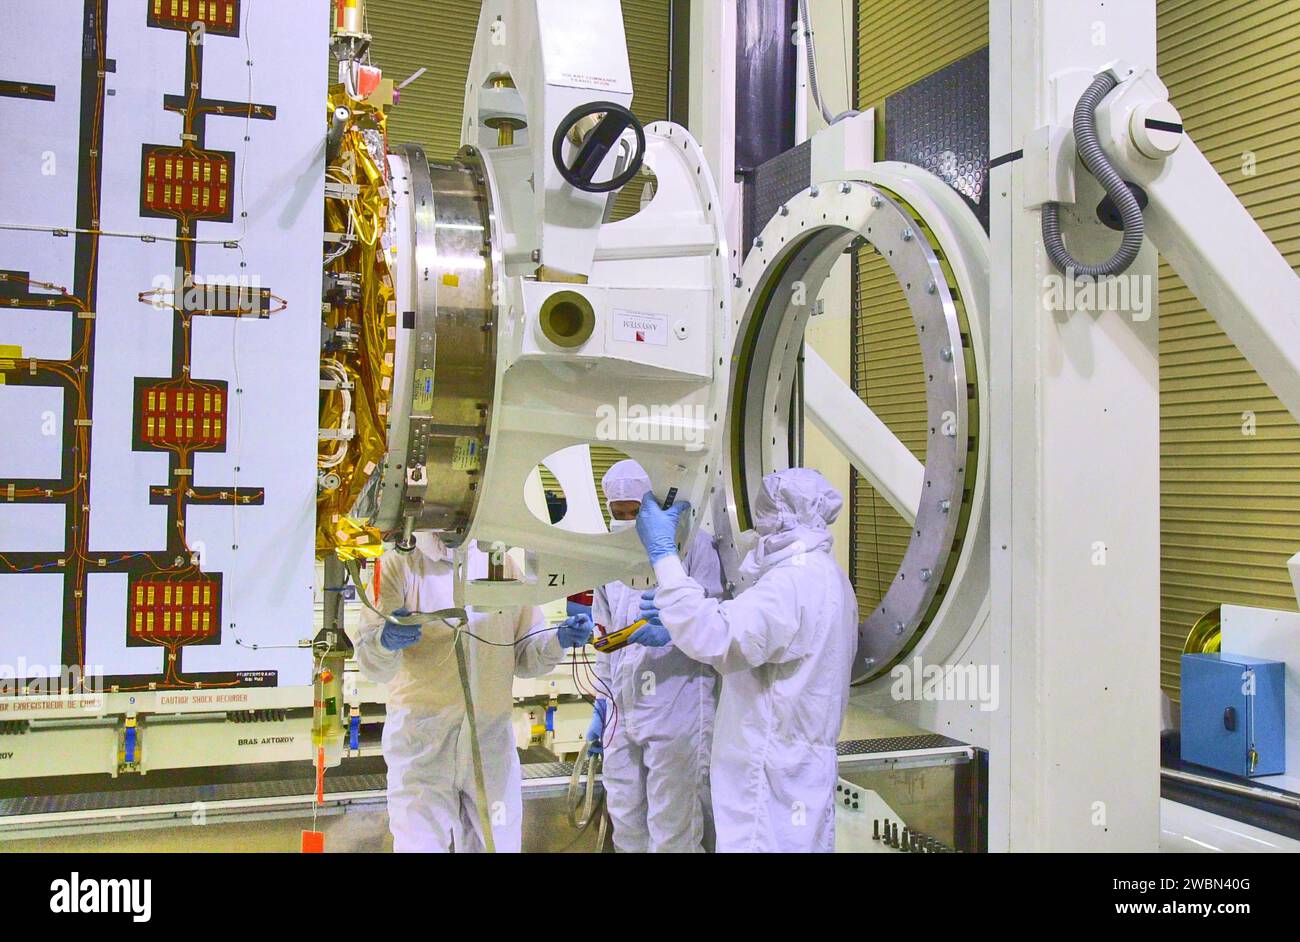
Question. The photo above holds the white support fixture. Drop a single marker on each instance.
(845, 149)
(936, 607)
(857, 432)
(648, 380)
(1075, 462)
(1076, 474)
(537, 327)
(713, 102)
(1206, 234)
(556, 61)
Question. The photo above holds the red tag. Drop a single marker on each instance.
(368, 78)
(313, 842)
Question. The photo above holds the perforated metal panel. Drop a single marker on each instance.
(867, 747)
(774, 182)
(941, 123)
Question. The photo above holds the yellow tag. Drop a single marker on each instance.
(422, 403)
(10, 351)
(450, 280)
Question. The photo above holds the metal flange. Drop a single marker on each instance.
(448, 368)
(778, 287)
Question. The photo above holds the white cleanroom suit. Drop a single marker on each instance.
(432, 798)
(785, 649)
(657, 737)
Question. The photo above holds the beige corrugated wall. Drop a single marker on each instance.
(1230, 501)
(439, 35)
(887, 369)
(1230, 454)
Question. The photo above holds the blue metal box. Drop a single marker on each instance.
(1233, 713)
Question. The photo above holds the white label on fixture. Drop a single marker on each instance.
(631, 327)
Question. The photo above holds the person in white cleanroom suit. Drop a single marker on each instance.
(784, 647)
(656, 756)
(432, 797)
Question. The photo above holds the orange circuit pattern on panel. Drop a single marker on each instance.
(216, 15)
(191, 183)
(171, 609)
(183, 415)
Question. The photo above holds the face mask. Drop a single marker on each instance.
(616, 525)
(429, 545)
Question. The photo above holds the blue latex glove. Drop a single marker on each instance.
(658, 527)
(397, 637)
(574, 631)
(596, 728)
(649, 610)
(652, 634)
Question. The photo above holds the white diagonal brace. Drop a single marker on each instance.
(859, 435)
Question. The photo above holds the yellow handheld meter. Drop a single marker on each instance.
(616, 639)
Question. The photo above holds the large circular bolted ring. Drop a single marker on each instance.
(780, 281)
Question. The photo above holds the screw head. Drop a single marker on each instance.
(946, 354)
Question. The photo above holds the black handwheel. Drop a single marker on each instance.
(597, 146)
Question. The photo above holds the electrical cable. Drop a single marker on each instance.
(480, 779)
(587, 763)
(348, 418)
(456, 618)
(814, 85)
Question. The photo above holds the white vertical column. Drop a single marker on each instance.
(1075, 473)
(713, 101)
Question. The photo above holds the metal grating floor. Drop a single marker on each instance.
(866, 747)
(536, 770)
(184, 794)
(234, 791)
(375, 782)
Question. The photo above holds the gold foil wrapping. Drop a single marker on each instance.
(368, 363)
